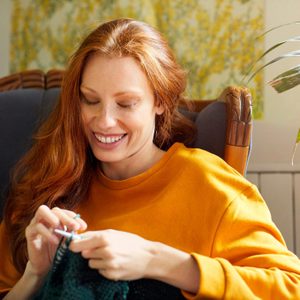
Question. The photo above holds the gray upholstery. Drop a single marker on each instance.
(211, 127)
(22, 110)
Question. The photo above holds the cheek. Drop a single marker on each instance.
(85, 123)
(142, 120)
(85, 117)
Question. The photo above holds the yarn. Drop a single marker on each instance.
(70, 278)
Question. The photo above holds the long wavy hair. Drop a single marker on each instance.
(57, 169)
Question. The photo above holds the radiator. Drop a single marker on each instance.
(281, 191)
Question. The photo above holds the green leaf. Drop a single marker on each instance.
(289, 54)
(293, 39)
(298, 137)
(276, 27)
(286, 80)
(295, 146)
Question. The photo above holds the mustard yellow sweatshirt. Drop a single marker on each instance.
(193, 201)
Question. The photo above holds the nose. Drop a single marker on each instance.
(106, 117)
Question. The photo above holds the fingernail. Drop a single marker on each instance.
(77, 226)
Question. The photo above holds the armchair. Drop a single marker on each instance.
(26, 98)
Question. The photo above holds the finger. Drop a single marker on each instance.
(46, 216)
(40, 229)
(90, 240)
(107, 269)
(111, 274)
(66, 219)
(98, 253)
(77, 218)
(92, 253)
(57, 218)
(99, 264)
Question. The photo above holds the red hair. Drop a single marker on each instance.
(57, 169)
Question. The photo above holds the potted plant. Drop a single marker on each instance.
(284, 81)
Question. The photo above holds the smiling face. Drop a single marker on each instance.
(118, 112)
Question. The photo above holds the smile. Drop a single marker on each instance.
(108, 139)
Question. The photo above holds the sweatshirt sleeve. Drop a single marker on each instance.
(249, 258)
(8, 274)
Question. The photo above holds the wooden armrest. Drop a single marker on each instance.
(239, 126)
(25, 79)
(32, 79)
(54, 78)
(239, 115)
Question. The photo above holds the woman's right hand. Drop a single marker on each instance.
(42, 242)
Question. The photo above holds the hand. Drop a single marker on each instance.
(117, 255)
(42, 242)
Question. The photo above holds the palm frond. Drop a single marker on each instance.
(295, 146)
(277, 27)
(286, 80)
(289, 54)
(293, 39)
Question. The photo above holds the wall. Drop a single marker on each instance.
(5, 8)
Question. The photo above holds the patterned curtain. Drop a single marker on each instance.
(214, 40)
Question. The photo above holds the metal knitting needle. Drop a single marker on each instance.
(66, 234)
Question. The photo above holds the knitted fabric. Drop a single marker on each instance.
(72, 279)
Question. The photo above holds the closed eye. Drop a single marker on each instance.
(127, 105)
(88, 101)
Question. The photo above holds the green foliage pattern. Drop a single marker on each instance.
(213, 40)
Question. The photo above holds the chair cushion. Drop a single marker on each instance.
(21, 111)
(211, 128)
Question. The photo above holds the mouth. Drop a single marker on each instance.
(109, 139)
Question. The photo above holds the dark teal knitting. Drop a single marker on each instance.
(71, 279)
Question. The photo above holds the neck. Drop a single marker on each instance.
(134, 165)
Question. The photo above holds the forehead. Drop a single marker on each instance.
(101, 70)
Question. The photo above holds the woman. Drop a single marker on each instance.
(181, 216)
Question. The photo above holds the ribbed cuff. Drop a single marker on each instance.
(212, 279)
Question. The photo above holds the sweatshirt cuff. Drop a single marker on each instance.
(212, 278)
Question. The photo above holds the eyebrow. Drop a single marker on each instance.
(125, 93)
(118, 94)
(87, 88)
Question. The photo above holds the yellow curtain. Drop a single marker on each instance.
(212, 39)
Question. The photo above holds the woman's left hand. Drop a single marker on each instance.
(117, 255)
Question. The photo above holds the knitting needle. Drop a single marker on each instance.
(66, 234)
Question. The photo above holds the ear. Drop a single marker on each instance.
(159, 109)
